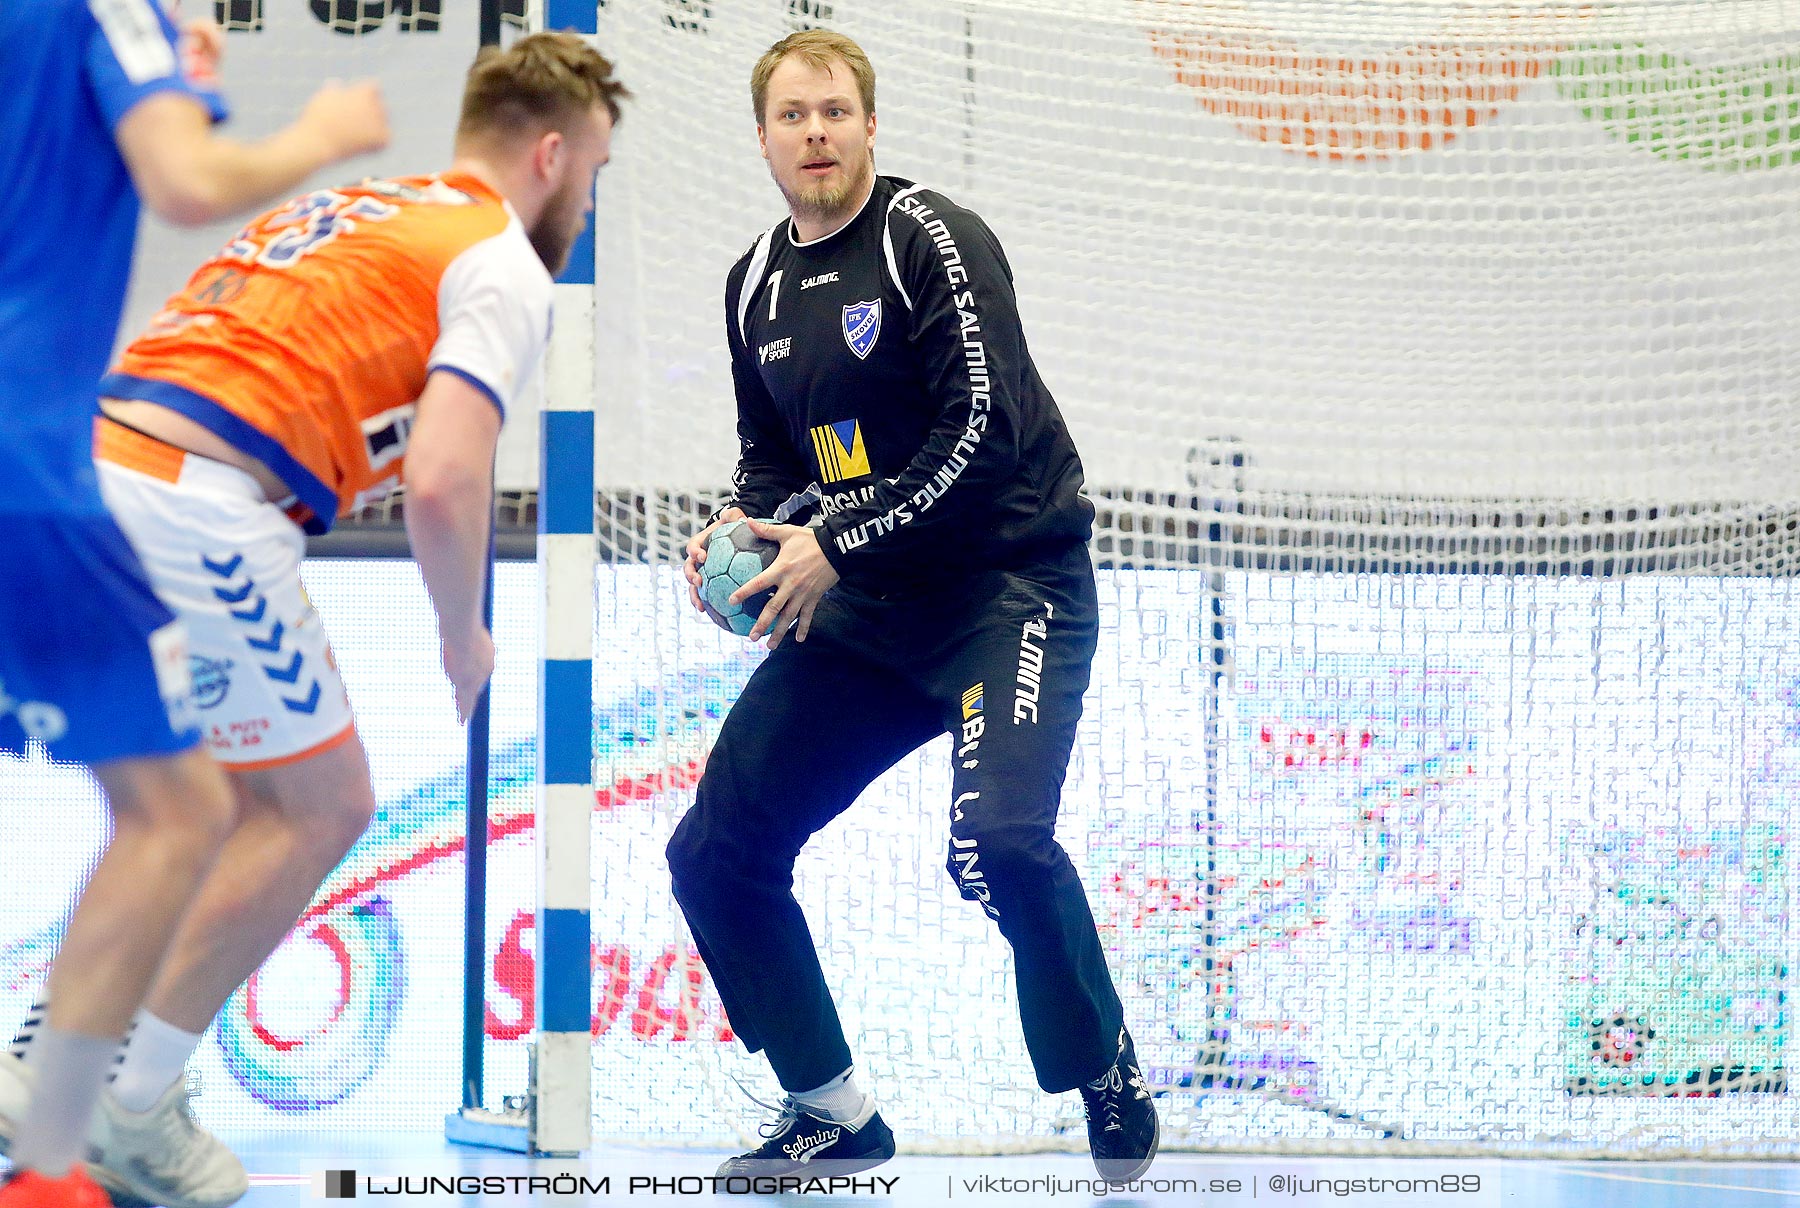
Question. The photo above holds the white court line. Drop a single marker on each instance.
(1638, 1178)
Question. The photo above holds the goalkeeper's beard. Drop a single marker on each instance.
(825, 204)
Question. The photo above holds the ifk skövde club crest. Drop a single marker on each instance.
(862, 327)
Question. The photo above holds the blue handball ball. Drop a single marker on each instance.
(734, 556)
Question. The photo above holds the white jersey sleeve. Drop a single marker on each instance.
(494, 315)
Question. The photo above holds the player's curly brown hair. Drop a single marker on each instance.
(543, 80)
(818, 48)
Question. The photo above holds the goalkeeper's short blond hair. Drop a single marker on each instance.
(818, 48)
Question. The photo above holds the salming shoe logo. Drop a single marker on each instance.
(802, 1149)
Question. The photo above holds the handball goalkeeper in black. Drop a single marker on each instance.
(938, 581)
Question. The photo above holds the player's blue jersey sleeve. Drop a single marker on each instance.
(132, 53)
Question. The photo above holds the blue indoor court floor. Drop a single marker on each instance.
(290, 1172)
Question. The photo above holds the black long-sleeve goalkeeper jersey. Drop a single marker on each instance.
(884, 368)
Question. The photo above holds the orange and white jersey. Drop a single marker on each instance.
(306, 342)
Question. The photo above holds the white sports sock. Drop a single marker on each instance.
(839, 1100)
(154, 1058)
(70, 1072)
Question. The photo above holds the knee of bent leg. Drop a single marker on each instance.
(326, 800)
(346, 816)
(326, 822)
(706, 861)
(688, 855)
(985, 858)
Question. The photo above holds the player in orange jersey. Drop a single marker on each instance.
(348, 342)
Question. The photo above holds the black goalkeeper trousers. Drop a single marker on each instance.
(1001, 665)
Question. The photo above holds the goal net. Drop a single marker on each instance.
(1435, 370)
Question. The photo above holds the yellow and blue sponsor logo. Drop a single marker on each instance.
(840, 450)
(971, 701)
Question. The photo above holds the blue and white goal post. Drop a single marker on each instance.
(554, 1114)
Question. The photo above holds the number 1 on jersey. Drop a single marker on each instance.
(774, 291)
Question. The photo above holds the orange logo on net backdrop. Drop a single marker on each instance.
(1341, 106)
(1371, 106)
